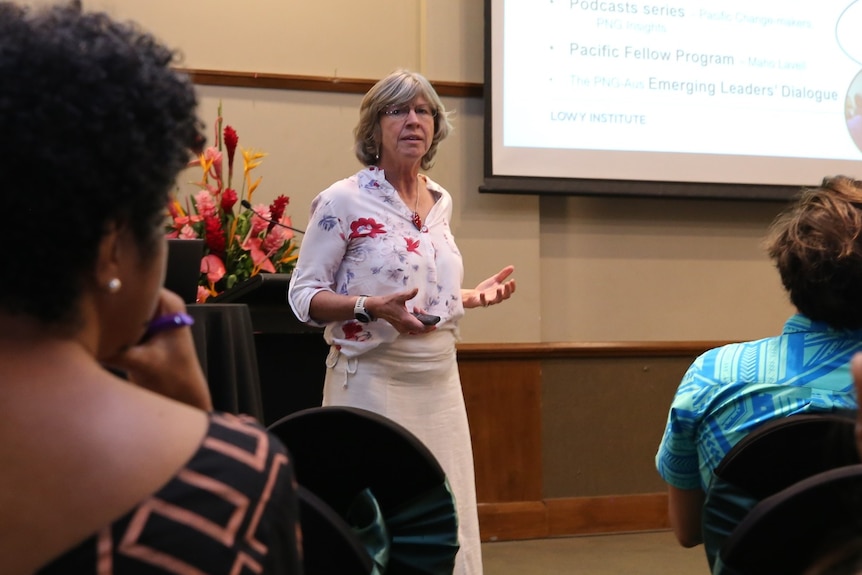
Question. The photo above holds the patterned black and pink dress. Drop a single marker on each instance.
(230, 510)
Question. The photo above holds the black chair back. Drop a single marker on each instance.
(769, 459)
(379, 479)
(329, 545)
(790, 531)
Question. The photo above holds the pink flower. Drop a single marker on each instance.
(205, 203)
(213, 267)
(273, 240)
(180, 222)
(261, 223)
(213, 155)
(261, 261)
(187, 233)
(286, 233)
(203, 294)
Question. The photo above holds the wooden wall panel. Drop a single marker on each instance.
(602, 421)
(564, 435)
(503, 405)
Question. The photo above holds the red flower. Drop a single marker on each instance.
(215, 235)
(228, 199)
(276, 209)
(231, 139)
(365, 227)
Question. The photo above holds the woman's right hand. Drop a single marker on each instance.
(393, 309)
(167, 362)
(327, 306)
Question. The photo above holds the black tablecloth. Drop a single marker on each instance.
(224, 339)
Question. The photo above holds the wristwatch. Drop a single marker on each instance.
(359, 311)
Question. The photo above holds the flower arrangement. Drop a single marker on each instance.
(238, 244)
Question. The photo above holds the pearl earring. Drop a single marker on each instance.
(114, 285)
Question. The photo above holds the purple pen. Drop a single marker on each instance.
(169, 321)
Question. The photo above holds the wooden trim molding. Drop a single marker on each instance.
(563, 350)
(510, 521)
(315, 83)
(572, 516)
(607, 514)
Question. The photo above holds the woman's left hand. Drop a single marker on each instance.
(492, 291)
(167, 363)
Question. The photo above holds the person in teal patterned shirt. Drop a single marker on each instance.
(729, 391)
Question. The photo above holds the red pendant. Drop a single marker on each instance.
(417, 221)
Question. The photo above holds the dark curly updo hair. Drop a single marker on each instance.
(817, 247)
(94, 128)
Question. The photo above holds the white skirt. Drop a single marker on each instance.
(414, 381)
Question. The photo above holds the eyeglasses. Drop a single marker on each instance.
(423, 112)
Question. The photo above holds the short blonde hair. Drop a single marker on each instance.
(399, 87)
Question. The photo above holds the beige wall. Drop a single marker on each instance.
(657, 269)
(588, 269)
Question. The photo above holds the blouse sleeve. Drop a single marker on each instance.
(320, 256)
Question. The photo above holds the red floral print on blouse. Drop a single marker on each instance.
(365, 228)
(412, 245)
(351, 330)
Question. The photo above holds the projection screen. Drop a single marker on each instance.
(690, 98)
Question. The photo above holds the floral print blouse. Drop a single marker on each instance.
(361, 240)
